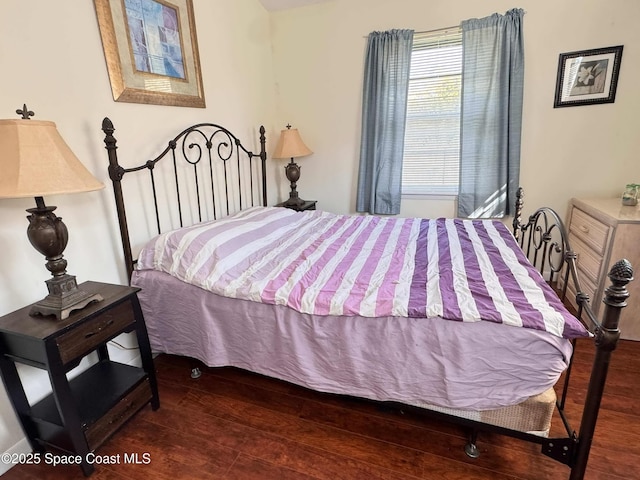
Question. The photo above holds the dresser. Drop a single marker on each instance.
(601, 232)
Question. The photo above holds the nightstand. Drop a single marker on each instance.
(80, 414)
(307, 205)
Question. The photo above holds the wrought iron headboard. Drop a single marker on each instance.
(206, 143)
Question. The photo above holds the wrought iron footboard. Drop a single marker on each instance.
(545, 241)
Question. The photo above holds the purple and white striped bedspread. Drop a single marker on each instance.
(326, 264)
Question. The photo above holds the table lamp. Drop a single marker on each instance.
(290, 145)
(35, 161)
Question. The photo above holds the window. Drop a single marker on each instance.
(431, 162)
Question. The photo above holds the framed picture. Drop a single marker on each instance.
(588, 77)
(151, 51)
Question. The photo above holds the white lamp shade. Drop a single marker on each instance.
(290, 145)
(35, 161)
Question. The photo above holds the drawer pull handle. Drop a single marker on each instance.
(584, 228)
(91, 334)
(117, 418)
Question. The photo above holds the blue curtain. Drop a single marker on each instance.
(491, 115)
(384, 108)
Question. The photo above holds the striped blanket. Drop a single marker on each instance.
(325, 264)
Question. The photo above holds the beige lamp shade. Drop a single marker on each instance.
(290, 145)
(35, 161)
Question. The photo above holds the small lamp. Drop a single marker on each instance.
(290, 145)
(35, 161)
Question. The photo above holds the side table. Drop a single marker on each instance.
(80, 414)
(307, 205)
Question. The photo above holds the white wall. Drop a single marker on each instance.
(52, 59)
(566, 152)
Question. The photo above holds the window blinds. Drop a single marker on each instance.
(432, 136)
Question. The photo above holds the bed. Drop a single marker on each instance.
(458, 318)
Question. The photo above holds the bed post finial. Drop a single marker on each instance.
(107, 126)
(615, 299)
(115, 171)
(517, 217)
(607, 336)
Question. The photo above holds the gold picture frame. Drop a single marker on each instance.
(151, 50)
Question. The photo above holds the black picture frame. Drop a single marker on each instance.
(588, 77)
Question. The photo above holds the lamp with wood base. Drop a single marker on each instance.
(35, 161)
(290, 145)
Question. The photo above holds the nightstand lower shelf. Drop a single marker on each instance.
(107, 395)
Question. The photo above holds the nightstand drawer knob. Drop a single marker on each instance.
(584, 228)
(119, 417)
(100, 328)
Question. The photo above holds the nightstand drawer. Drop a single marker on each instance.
(591, 231)
(93, 333)
(101, 430)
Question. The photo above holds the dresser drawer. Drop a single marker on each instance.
(587, 287)
(128, 405)
(591, 231)
(589, 263)
(93, 333)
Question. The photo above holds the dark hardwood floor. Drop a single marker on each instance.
(231, 424)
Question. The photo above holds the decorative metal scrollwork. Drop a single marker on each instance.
(192, 149)
(116, 173)
(544, 241)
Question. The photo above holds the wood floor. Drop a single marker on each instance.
(230, 424)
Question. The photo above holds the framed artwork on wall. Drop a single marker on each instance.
(151, 51)
(588, 77)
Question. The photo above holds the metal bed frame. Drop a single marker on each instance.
(542, 237)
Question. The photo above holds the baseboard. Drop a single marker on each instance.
(21, 447)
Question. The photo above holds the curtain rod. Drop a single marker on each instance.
(438, 29)
(429, 31)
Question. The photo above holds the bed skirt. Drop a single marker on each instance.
(476, 368)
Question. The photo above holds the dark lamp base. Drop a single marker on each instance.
(292, 171)
(64, 297)
(48, 234)
(294, 202)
